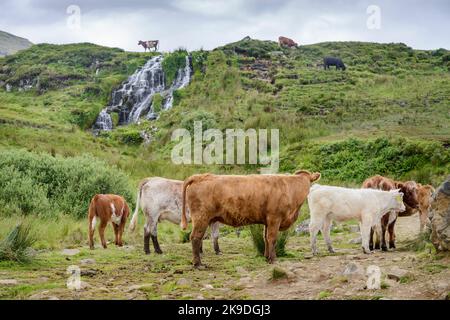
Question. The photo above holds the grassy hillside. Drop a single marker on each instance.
(10, 44)
(388, 113)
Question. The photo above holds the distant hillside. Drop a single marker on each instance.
(386, 114)
(10, 44)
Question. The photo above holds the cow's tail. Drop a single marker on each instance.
(186, 184)
(136, 210)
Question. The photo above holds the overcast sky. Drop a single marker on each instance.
(193, 24)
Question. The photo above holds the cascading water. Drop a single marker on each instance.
(104, 121)
(133, 99)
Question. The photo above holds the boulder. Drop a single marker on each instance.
(440, 217)
(8, 282)
(395, 273)
(353, 271)
(355, 240)
(84, 262)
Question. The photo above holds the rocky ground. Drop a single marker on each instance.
(126, 273)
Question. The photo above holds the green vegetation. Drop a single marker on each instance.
(43, 185)
(172, 63)
(17, 244)
(257, 231)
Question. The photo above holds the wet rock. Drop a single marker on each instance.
(208, 287)
(440, 217)
(87, 261)
(8, 282)
(395, 273)
(70, 252)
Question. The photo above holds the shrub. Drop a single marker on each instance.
(172, 63)
(16, 246)
(44, 185)
(257, 230)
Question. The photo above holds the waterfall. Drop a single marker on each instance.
(133, 99)
(104, 121)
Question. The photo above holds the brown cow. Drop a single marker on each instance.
(107, 207)
(236, 200)
(409, 190)
(286, 42)
(424, 197)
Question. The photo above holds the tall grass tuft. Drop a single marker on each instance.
(421, 243)
(257, 231)
(16, 246)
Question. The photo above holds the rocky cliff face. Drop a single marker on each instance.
(440, 217)
(10, 44)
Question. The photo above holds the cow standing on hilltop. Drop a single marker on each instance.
(107, 207)
(286, 42)
(149, 44)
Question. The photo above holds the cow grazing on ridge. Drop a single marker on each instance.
(160, 199)
(327, 203)
(331, 61)
(409, 189)
(236, 200)
(107, 207)
(286, 42)
(149, 44)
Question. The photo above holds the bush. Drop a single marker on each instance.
(44, 185)
(16, 246)
(257, 230)
(172, 63)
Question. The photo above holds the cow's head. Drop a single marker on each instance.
(396, 202)
(409, 190)
(140, 42)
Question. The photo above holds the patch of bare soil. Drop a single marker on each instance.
(344, 275)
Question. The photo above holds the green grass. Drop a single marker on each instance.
(15, 246)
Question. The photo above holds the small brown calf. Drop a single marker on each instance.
(107, 207)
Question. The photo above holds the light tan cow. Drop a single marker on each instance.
(424, 197)
(108, 208)
(160, 200)
(271, 200)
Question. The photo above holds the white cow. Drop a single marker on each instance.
(161, 199)
(327, 203)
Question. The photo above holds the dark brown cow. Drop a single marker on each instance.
(107, 207)
(424, 197)
(271, 200)
(286, 42)
(409, 190)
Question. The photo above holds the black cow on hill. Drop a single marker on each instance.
(331, 61)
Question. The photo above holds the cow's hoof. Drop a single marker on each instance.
(371, 248)
(218, 253)
(147, 252)
(200, 266)
(384, 249)
(331, 250)
(392, 245)
(158, 251)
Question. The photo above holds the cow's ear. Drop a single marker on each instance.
(399, 185)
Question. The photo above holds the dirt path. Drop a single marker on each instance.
(344, 275)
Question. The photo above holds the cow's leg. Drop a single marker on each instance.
(314, 227)
(121, 229)
(384, 223)
(116, 233)
(392, 234)
(101, 231)
(147, 233)
(92, 221)
(326, 229)
(215, 236)
(266, 243)
(272, 233)
(198, 231)
(372, 234)
(365, 234)
(424, 220)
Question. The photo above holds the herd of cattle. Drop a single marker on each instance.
(271, 200)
